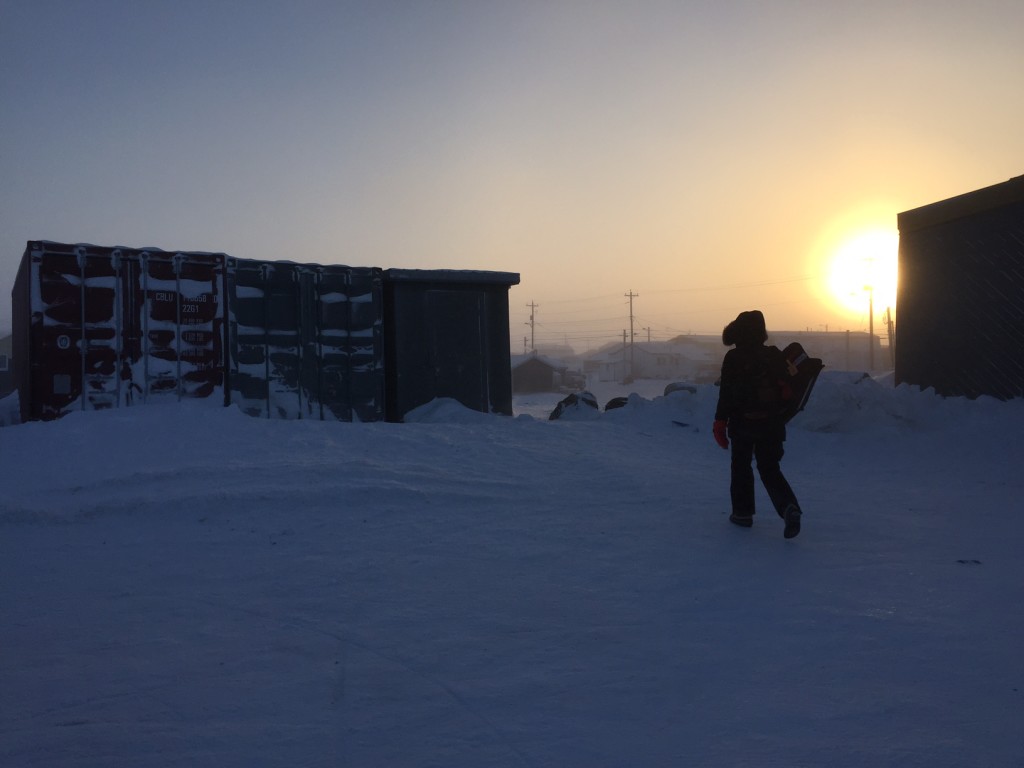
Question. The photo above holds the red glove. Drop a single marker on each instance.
(721, 433)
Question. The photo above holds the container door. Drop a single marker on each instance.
(305, 340)
(284, 349)
(265, 349)
(175, 327)
(350, 354)
(458, 351)
(365, 374)
(74, 345)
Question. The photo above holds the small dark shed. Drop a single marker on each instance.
(533, 373)
(446, 334)
(960, 306)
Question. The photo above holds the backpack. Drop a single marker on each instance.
(801, 372)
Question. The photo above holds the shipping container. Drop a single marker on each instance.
(98, 327)
(305, 340)
(960, 303)
(447, 335)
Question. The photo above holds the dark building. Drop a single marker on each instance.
(98, 327)
(534, 373)
(960, 306)
(6, 366)
(446, 335)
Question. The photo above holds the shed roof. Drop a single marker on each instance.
(961, 206)
(518, 360)
(469, 276)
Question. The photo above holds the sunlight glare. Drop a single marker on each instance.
(865, 263)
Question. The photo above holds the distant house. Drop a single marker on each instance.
(687, 358)
(537, 373)
(608, 363)
(960, 305)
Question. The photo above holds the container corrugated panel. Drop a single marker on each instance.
(101, 327)
(960, 321)
(305, 340)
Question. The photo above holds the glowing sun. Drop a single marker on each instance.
(863, 267)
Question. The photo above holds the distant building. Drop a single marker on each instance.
(562, 353)
(698, 358)
(538, 373)
(960, 321)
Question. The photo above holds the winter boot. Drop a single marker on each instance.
(792, 518)
(744, 521)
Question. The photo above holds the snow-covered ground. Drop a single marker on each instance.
(188, 586)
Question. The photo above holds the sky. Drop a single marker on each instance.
(706, 157)
(467, 590)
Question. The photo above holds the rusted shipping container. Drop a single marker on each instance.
(305, 340)
(98, 327)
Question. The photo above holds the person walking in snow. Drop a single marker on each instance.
(749, 412)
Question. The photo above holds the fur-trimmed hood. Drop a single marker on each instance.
(747, 329)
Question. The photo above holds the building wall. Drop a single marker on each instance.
(960, 309)
(6, 366)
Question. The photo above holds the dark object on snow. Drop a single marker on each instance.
(573, 401)
(803, 372)
(678, 386)
(616, 402)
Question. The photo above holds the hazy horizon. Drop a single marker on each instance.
(706, 157)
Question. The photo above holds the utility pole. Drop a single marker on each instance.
(889, 326)
(631, 296)
(871, 327)
(533, 345)
(624, 342)
(648, 334)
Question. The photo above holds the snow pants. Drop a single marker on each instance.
(764, 446)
